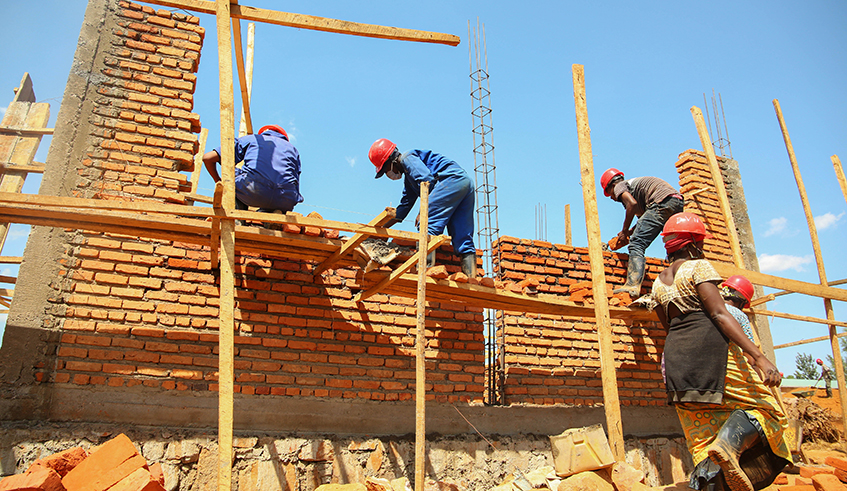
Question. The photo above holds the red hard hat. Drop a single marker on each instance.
(819, 361)
(686, 222)
(607, 177)
(274, 127)
(742, 285)
(379, 153)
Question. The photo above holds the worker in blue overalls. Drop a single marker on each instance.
(451, 195)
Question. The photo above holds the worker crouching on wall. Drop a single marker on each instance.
(716, 377)
(270, 177)
(451, 195)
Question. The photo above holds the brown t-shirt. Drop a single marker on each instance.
(646, 190)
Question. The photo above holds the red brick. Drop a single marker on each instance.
(806, 471)
(36, 478)
(105, 466)
(827, 482)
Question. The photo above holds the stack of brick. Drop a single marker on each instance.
(555, 360)
(116, 465)
(698, 188)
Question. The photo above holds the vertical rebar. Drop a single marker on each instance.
(488, 231)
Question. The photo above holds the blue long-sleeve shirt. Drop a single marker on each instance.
(271, 156)
(420, 166)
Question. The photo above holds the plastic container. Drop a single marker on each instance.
(581, 449)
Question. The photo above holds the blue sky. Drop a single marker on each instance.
(646, 64)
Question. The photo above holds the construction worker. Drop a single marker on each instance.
(451, 195)
(737, 291)
(270, 177)
(826, 375)
(714, 375)
(650, 199)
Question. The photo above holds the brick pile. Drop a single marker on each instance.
(696, 176)
(555, 360)
(116, 465)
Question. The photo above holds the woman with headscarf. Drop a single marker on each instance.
(716, 377)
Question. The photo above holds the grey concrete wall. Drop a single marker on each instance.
(29, 340)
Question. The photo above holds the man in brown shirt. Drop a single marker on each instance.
(653, 201)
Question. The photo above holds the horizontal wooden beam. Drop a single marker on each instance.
(25, 132)
(314, 23)
(8, 279)
(803, 318)
(726, 270)
(10, 259)
(35, 167)
(807, 341)
(771, 297)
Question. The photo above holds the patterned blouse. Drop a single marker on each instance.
(683, 291)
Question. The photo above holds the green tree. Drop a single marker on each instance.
(806, 367)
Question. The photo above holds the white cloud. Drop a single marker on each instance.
(780, 262)
(351, 161)
(827, 220)
(777, 225)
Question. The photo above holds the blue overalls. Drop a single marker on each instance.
(270, 177)
(451, 196)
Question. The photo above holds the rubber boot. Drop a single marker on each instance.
(707, 476)
(634, 277)
(735, 436)
(762, 466)
(469, 264)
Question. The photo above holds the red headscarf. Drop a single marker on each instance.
(678, 240)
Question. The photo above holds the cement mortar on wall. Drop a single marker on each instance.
(302, 462)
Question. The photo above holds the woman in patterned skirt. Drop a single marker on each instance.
(715, 376)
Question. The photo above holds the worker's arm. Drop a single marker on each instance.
(726, 323)
(210, 160)
(631, 207)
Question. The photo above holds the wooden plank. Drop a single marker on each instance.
(7, 292)
(10, 259)
(35, 167)
(807, 341)
(226, 339)
(726, 270)
(353, 242)
(803, 318)
(20, 150)
(568, 224)
(839, 174)
(838, 361)
(420, 343)
(8, 279)
(772, 296)
(402, 269)
(251, 36)
(25, 132)
(24, 91)
(314, 23)
(198, 167)
(611, 402)
(242, 76)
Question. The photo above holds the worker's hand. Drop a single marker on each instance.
(623, 235)
(767, 371)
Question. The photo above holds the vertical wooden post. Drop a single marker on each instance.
(198, 161)
(717, 177)
(568, 225)
(810, 219)
(251, 36)
(839, 174)
(420, 346)
(611, 403)
(226, 335)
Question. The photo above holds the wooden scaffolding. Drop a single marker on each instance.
(216, 227)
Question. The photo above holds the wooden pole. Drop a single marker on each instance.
(568, 225)
(807, 341)
(243, 83)
(810, 219)
(717, 177)
(198, 161)
(611, 402)
(226, 335)
(839, 174)
(420, 346)
(251, 37)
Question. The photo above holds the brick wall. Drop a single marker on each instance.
(697, 186)
(143, 313)
(556, 360)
